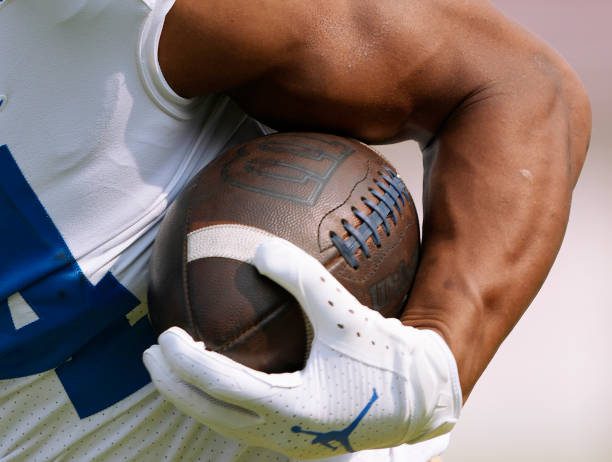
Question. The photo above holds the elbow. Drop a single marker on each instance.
(564, 91)
(578, 105)
(553, 105)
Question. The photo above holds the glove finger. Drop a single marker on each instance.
(218, 375)
(317, 291)
(218, 415)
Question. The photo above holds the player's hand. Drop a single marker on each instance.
(369, 382)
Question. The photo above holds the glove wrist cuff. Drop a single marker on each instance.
(435, 391)
(453, 372)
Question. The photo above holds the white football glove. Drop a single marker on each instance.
(369, 382)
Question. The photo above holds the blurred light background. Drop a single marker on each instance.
(547, 394)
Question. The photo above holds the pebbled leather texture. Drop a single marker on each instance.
(298, 186)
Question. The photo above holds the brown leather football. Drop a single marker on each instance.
(334, 197)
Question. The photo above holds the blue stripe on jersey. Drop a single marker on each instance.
(76, 324)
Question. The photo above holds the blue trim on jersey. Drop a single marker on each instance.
(76, 320)
(104, 372)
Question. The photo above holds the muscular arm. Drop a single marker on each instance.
(503, 122)
(498, 185)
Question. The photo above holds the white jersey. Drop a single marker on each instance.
(94, 145)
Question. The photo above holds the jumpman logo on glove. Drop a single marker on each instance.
(340, 436)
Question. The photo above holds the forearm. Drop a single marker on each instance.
(497, 191)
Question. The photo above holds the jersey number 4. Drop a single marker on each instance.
(52, 316)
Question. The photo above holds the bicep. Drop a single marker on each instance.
(377, 70)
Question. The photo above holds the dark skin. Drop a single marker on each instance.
(503, 122)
